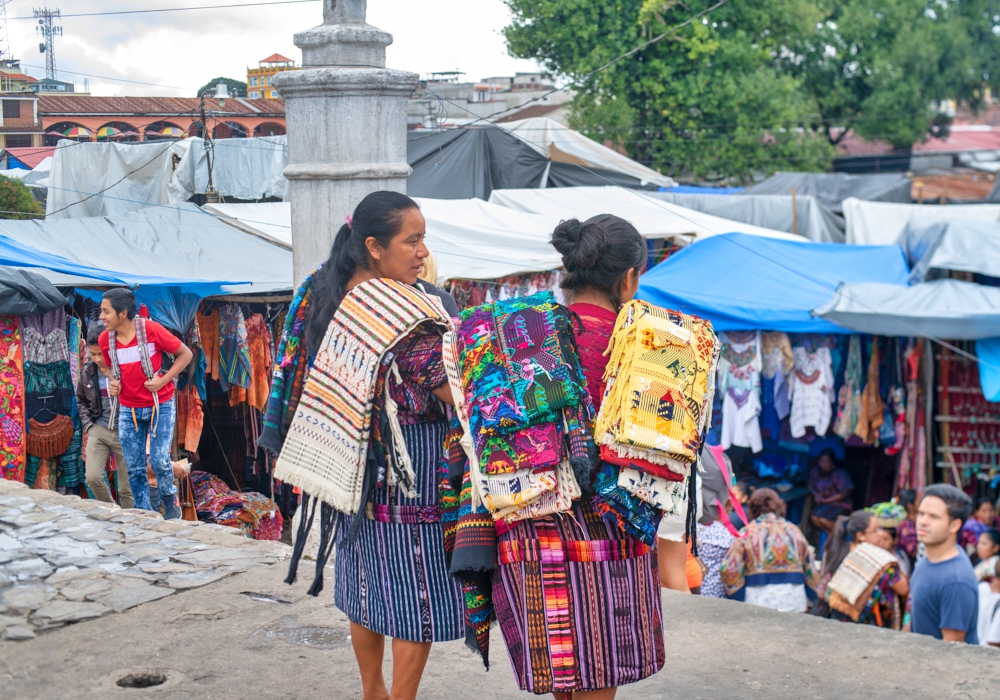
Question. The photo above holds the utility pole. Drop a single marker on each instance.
(48, 31)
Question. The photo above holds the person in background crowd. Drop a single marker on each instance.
(891, 516)
(944, 591)
(983, 519)
(93, 400)
(427, 283)
(906, 533)
(831, 490)
(146, 403)
(771, 564)
(987, 549)
(865, 582)
(988, 628)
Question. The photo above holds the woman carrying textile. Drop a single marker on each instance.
(590, 620)
(390, 573)
(866, 583)
(771, 564)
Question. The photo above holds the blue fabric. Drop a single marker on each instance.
(133, 427)
(693, 189)
(17, 254)
(945, 595)
(743, 282)
(988, 352)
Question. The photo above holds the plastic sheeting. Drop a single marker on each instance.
(653, 217)
(745, 282)
(470, 238)
(560, 144)
(772, 211)
(182, 252)
(967, 246)
(833, 188)
(943, 308)
(109, 179)
(880, 223)
(23, 292)
(988, 352)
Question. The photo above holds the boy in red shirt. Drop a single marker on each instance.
(146, 404)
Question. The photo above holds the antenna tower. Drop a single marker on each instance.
(48, 32)
(4, 43)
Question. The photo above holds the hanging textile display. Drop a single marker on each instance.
(739, 381)
(12, 437)
(810, 389)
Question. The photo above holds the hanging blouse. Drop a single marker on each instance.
(810, 389)
(739, 382)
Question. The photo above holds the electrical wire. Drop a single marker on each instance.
(172, 9)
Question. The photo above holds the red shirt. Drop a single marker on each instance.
(134, 393)
(598, 325)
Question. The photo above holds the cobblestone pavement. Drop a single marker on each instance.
(64, 559)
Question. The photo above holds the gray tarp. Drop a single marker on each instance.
(180, 242)
(831, 189)
(23, 292)
(967, 246)
(944, 308)
(816, 222)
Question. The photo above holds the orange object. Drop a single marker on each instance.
(693, 570)
(208, 328)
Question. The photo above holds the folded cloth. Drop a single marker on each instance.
(326, 447)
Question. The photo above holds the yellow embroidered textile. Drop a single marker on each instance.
(660, 382)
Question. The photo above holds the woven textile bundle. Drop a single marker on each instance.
(657, 406)
(859, 570)
(524, 406)
(326, 448)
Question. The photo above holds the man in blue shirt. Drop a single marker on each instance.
(943, 591)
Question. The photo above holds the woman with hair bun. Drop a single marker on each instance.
(580, 626)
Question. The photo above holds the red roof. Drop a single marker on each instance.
(31, 156)
(277, 58)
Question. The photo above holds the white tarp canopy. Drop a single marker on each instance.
(943, 308)
(966, 246)
(880, 223)
(813, 220)
(470, 238)
(564, 145)
(653, 217)
(108, 179)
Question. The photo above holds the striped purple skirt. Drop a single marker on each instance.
(393, 579)
(578, 603)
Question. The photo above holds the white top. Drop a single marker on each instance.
(810, 389)
(989, 624)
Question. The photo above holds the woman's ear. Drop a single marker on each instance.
(374, 249)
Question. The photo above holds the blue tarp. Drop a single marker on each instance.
(694, 189)
(743, 282)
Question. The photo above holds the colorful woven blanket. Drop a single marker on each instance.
(326, 448)
(660, 382)
(525, 406)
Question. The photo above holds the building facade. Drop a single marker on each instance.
(143, 118)
(20, 126)
(259, 79)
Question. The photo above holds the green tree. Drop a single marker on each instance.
(17, 202)
(712, 100)
(237, 88)
(882, 68)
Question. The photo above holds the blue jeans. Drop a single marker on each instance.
(133, 426)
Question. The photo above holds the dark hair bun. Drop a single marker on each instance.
(581, 244)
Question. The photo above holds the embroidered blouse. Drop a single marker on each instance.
(772, 550)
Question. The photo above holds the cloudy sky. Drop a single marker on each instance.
(178, 52)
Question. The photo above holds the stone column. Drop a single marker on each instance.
(346, 121)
